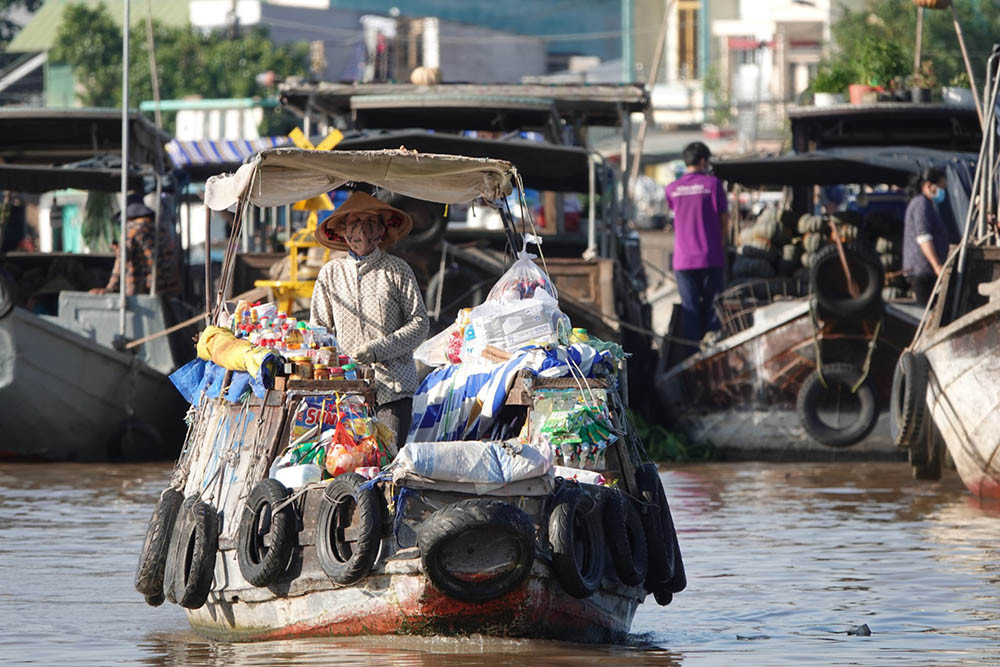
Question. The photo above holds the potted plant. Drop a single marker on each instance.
(830, 83)
(922, 82)
(878, 62)
(958, 91)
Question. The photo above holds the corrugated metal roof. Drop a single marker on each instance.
(40, 32)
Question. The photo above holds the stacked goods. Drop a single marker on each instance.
(330, 436)
(759, 253)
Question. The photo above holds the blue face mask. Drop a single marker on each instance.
(939, 196)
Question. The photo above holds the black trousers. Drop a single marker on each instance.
(397, 415)
(922, 286)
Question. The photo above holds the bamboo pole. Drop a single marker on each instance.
(968, 65)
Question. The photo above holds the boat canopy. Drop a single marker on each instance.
(282, 176)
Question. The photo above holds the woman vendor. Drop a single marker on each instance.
(370, 301)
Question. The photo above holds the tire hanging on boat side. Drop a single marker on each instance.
(349, 529)
(908, 404)
(575, 538)
(190, 565)
(265, 538)
(836, 377)
(496, 534)
(153, 558)
(626, 539)
(666, 574)
(828, 282)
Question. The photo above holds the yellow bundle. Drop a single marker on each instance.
(221, 347)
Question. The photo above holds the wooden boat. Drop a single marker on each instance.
(65, 397)
(756, 392)
(539, 556)
(945, 398)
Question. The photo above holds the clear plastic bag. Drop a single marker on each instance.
(521, 281)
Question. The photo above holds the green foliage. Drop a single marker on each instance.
(879, 62)
(664, 445)
(187, 62)
(895, 22)
(834, 77)
(924, 77)
(960, 80)
(721, 103)
(8, 29)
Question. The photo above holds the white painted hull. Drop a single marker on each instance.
(64, 397)
(963, 396)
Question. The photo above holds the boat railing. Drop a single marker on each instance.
(735, 306)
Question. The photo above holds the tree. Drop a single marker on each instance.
(9, 28)
(895, 22)
(188, 62)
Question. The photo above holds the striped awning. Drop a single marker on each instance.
(208, 152)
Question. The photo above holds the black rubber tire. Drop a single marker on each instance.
(838, 377)
(626, 539)
(927, 454)
(828, 283)
(349, 529)
(191, 562)
(265, 539)
(472, 528)
(660, 533)
(153, 557)
(908, 403)
(575, 538)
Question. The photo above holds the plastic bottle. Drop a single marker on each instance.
(293, 338)
(579, 335)
(307, 334)
(351, 371)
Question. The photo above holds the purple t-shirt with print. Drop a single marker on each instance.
(697, 200)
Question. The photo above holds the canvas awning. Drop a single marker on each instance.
(281, 176)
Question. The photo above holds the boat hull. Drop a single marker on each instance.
(963, 396)
(741, 393)
(400, 600)
(65, 397)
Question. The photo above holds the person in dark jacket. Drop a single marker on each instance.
(925, 237)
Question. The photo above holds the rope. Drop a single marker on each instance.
(866, 366)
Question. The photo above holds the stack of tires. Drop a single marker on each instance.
(759, 253)
(890, 255)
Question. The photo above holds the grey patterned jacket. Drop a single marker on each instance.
(374, 300)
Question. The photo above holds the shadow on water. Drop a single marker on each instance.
(783, 561)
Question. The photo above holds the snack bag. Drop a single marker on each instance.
(521, 281)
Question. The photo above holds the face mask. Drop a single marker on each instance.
(938, 196)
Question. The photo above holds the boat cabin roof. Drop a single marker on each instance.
(498, 107)
(281, 176)
(58, 136)
(861, 165)
(939, 126)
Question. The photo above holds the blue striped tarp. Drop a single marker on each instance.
(219, 151)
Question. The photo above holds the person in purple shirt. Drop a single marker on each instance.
(701, 216)
(925, 238)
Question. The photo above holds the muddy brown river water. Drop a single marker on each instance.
(782, 561)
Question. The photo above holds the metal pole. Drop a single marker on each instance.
(591, 204)
(152, 67)
(208, 265)
(654, 71)
(122, 256)
(156, 236)
(627, 55)
(968, 65)
(920, 38)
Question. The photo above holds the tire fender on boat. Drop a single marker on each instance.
(575, 538)
(477, 549)
(836, 377)
(666, 574)
(153, 558)
(265, 538)
(626, 539)
(908, 405)
(828, 282)
(190, 565)
(349, 528)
